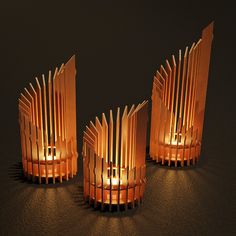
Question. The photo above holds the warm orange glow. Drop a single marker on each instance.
(114, 158)
(178, 104)
(47, 117)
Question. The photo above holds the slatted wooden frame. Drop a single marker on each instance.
(178, 104)
(47, 117)
(114, 155)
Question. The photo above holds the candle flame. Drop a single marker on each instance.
(114, 181)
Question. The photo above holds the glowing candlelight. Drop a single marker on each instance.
(174, 142)
(114, 181)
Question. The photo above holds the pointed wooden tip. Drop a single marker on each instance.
(43, 78)
(55, 73)
(210, 25)
(37, 81)
(72, 57)
(173, 59)
(186, 52)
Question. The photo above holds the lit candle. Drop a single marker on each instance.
(114, 181)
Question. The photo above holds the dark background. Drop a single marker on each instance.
(118, 45)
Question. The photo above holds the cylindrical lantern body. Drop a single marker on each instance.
(47, 117)
(178, 104)
(114, 155)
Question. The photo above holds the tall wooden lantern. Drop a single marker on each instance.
(47, 117)
(178, 104)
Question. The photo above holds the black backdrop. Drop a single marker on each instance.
(118, 46)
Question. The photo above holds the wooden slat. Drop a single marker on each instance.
(177, 90)
(168, 67)
(62, 104)
(190, 87)
(45, 125)
(100, 144)
(172, 93)
(34, 94)
(70, 109)
(117, 135)
(183, 82)
(31, 99)
(202, 79)
(124, 138)
(53, 130)
(34, 134)
(165, 75)
(105, 137)
(111, 137)
(195, 80)
(187, 85)
(96, 133)
(40, 120)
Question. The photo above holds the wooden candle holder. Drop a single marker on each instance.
(114, 159)
(47, 117)
(178, 104)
